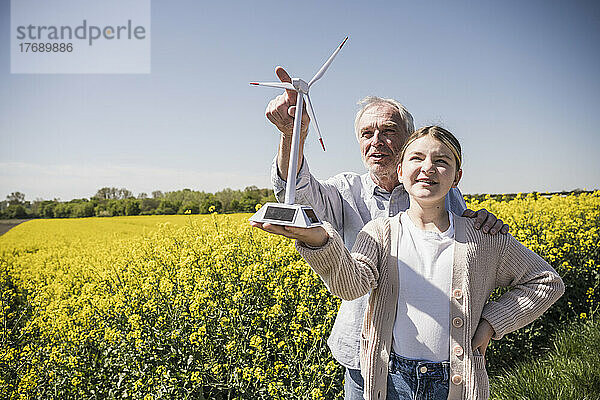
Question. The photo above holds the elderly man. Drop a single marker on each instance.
(348, 200)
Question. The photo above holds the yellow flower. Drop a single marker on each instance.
(195, 377)
(230, 345)
(256, 341)
(259, 374)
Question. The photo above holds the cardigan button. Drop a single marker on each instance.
(458, 351)
(457, 294)
(457, 379)
(457, 322)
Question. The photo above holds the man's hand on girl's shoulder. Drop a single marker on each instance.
(486, 221)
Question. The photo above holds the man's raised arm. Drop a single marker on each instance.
(280, 112)
(324, 197)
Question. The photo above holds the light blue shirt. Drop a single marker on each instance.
(348, 201)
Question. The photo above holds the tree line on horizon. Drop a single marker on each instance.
(111, 201)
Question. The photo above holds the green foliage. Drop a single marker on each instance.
(16, 198)
(570, 371)
(210, 204)
(15, 211)
(148, 206)
(511, 196)
(132, 207)
(46, 209)
(112, 193)
(112, 202)
(115, 207)
(167, 207)
(83, 209)
(62, 210)
(189, 208)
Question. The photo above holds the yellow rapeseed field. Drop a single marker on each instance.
(194, 306)
(160, 307)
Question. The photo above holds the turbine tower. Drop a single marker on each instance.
(288, 213)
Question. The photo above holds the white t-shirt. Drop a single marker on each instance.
(422, 325)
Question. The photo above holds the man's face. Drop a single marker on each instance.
(381, 135)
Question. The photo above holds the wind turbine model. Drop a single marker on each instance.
(288, 213)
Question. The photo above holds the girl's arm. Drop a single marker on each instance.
(535, 286)
(348, 275)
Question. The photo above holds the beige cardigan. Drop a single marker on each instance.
(482, 262)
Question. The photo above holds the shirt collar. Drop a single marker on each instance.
(371, 187)
(368, 184)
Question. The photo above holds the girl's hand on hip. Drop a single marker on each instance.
(482, 337)
(313, 237)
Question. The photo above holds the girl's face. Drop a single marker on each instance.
(428, 170)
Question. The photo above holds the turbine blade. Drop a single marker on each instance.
(311, 114)
(319, 74)
(281, 85)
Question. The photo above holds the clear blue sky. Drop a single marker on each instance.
(516, 81)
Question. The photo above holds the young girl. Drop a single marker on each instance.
(430, 275)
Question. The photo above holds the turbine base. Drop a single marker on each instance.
(287, 214)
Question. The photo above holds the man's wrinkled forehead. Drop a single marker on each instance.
(376, 124)
(381, 115)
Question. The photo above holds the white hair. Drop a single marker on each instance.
(368, 101)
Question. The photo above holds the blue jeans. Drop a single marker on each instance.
(408, 379)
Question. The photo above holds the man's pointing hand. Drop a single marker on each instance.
(280, 111)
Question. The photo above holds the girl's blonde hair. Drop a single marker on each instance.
(440, 134)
